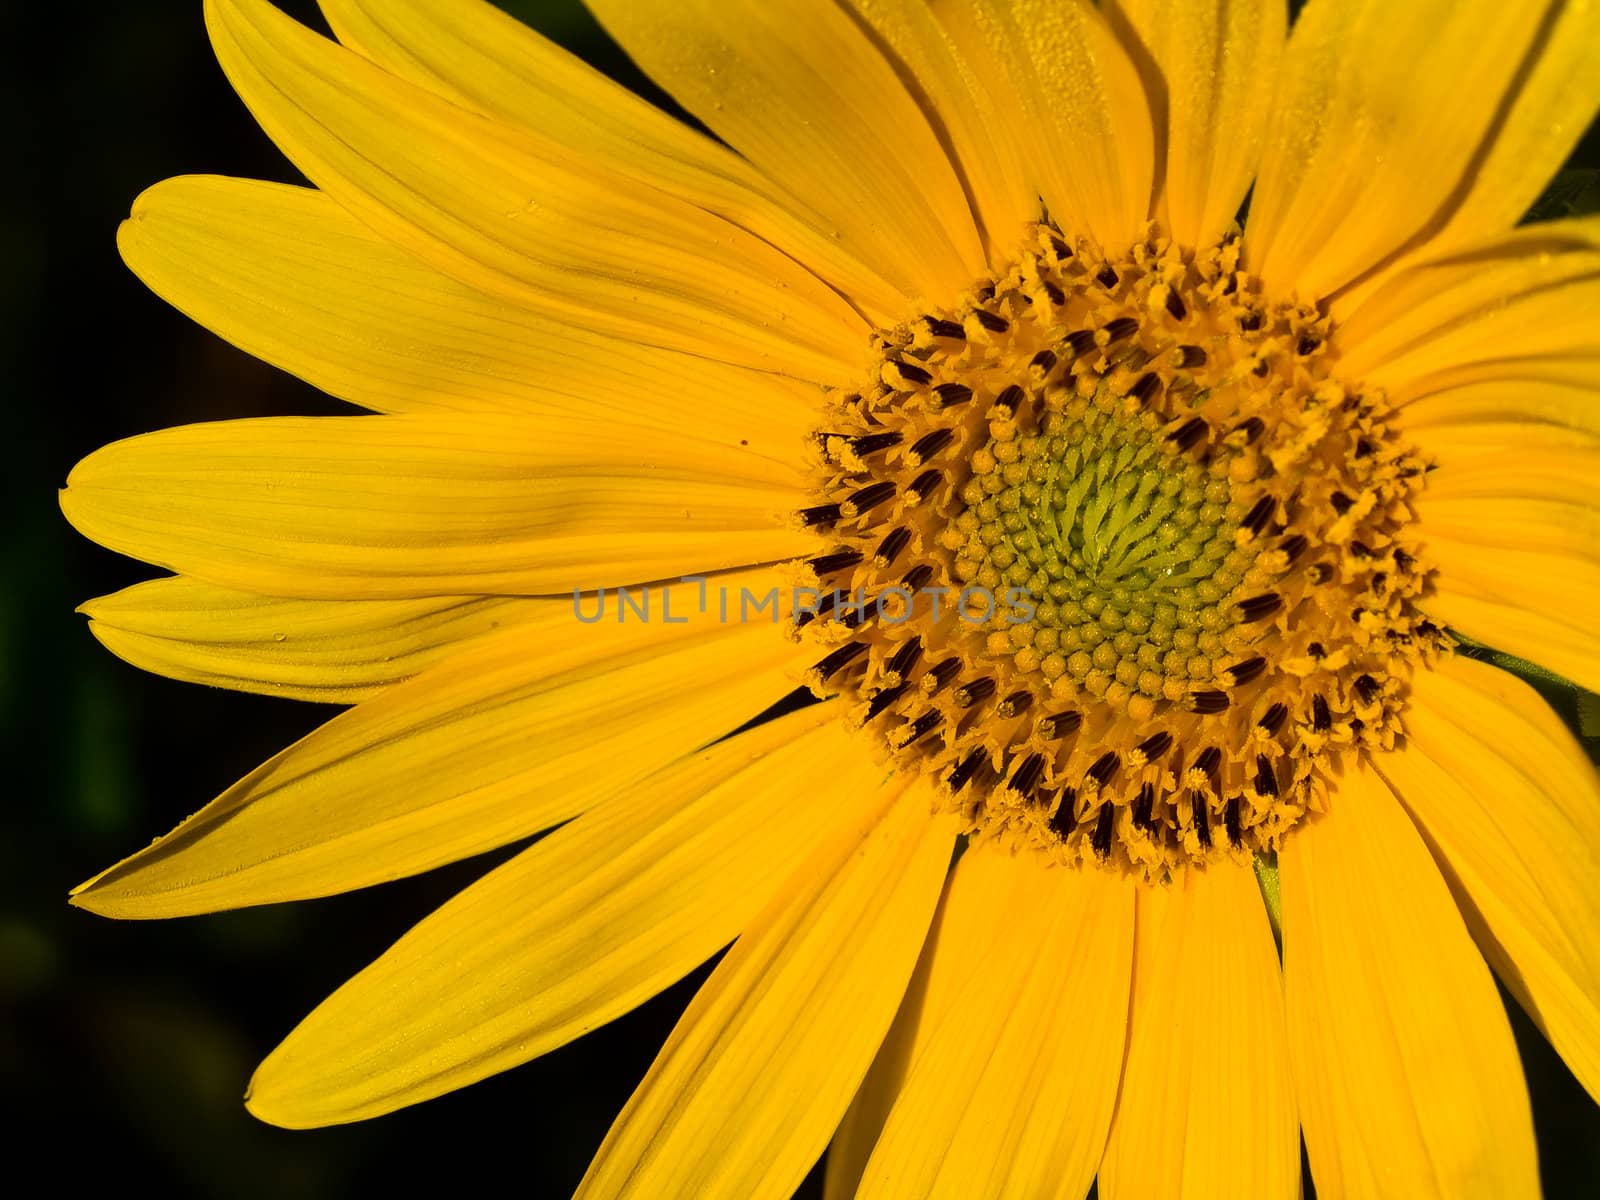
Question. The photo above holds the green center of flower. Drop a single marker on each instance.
(1110, 551)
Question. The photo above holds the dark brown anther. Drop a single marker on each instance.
(882, 701)
(906, 657)
(993, 322)
(889, 549)
(1368, 688)
(1045, 361)
(973, 692)
(1107, 278)
(1208, 760)
(1252, 428)
(1065, 818)
(915, 579)
(837, 560)
(922, 727)
(1202, 819)
(1317, 650)
(1144, 806)
(924, 485)
(1250, 322)
(1103, 768)
(836, 660)
(1318, 573)
(918, 375)
(1293, 547)
(940, 674)
(871, 443)
(1014, 705)
(1100, 839)
(1057, 296)
(1059, 725)
(951, 394)
(1175, 305)
(929, 444)
(819, 514)
(1011, 397)
(1360, 550)
(1144, 387)
(1080, 342)
(1260, 369)
(1060, 247)
(1266, 777)
(1356, 726)
(1272, 719)
(939, 327)
(864, 500)
(1027, 775)
(966, 769)
(1321, 719)
(1259, 608)
(1189, 434)
(1208, 701)
(1120, 328)
(1380, 580)
(1341, 503)
(1233, 821)
(1307, 345)
(1402, 560)
(1247, 669)
(1364, 448)
(1154, 746)
(1191, 356)
(1260, 513)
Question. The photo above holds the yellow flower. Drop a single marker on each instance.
(1127, 552)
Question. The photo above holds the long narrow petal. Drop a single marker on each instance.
(1510, 804)
(290, 277)
(333, 651)
(755, 1077)
(988, 146)
(574, 931)
(1384, 114)
(525, 217)
(1404, 1066)
(1527, 294)
(1207, 1049)
(388, 507)
(1012, 1091)
(1079, 107)
(498, 742)
(483, 59)
(1211, 69)
(803, 93)
(1531, 394)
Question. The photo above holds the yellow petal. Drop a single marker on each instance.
(803, 93)
(503, 739)
(388, 507)
(1479, 607)
(526, 218)
(1404, 1067)
(1010, 1091)
(757, 1073)
(576, 930)
(1207, 1045)
(290, 277)
(972, 111)
(1080, 111)
(1211, 69)
(1510, 804)
(334, 651)
(1382, 118)
(483, 59)
(1532, 395)
(1525, 295)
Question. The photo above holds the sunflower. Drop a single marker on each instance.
(1125, 556)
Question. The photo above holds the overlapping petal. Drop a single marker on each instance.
(525, 217)
(290, 277)
(757, 1073)
(430, 505)
(577, 929)
(503, 739)
(1510, 804)
(1405, 1071)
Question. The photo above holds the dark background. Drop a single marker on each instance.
(133, 1041)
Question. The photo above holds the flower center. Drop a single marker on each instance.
(1113, 554)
